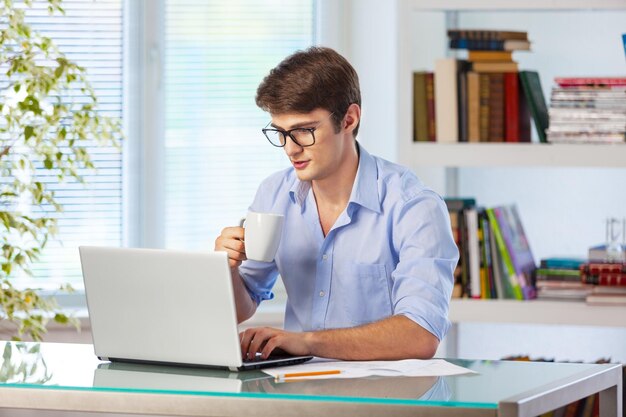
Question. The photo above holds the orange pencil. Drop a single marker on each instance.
(304, 374)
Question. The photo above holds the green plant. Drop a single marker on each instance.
(48, 114)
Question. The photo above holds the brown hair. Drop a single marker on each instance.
(315, 78)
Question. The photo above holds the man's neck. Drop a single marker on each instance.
(334, 191)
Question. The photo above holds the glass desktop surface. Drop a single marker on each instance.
(58, 366)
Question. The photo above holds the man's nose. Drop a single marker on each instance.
(291, 147)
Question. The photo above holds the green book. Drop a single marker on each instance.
(536, 101)
(509, 271)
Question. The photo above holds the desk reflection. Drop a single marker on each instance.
(127, 376)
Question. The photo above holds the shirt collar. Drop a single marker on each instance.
(364, 190)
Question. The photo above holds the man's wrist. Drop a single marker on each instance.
(312, 341)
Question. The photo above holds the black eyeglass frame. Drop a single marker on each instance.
(288, 133)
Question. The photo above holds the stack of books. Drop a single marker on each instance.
(608, 281)
(495, 257)
(588, 110)
(483, 98)
(558, 278)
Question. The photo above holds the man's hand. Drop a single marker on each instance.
(231, 242)
(265, 339)
(393, 338)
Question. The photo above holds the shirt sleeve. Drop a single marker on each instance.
(423, 278)
(259, 277)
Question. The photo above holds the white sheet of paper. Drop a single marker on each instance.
(355, 369)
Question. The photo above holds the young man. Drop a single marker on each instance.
(367, 253)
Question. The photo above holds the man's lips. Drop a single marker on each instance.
(300, 164)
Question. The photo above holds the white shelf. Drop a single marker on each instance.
(484, 5)
(518, 155)
(574, 313)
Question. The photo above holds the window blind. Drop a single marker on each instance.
(89, 33)
(216, 54)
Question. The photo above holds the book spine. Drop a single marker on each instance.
(420, 108)
(536, 102)
(484, 108)
(446, 100)
(473, 107)
(605, 279)
(496, 107)
(511, 108)
(595, 268)
(471, 222)
(463, 67)
(524, 114)
(509, 272)
(430, 106)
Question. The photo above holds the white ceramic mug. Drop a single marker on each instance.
(262, 235)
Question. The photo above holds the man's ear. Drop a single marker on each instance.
(352, 117)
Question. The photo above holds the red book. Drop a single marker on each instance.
(612, 280)
(595, 81)
(595, 268)
(511, 107)
(605, 279)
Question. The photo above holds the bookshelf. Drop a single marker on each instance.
(447, 160)
(569, 313)
(517, 155)
(487, 154)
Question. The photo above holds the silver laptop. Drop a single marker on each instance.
(164, 306)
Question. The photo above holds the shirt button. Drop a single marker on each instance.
(322, 293)
(324, 257)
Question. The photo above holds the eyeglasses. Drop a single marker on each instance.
(301, 136)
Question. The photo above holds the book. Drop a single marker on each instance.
(430, 106)
(459, 203)
(595, 268)
(490, 45)
(590, 81)
(531, 86)
(473, 107)
(518, 247)
(491, 292)
(486, 34)
(606, 279)
(495, 66)
(420, 108)
(490, 56)
(501, 281)
(511, 108)
(496, 107)
(484, 94)
(473, 252)
(600, 253)
(509, 276)
(446, 100)
(606, 299)
(462, 70)
(562, 262)
(457, 209)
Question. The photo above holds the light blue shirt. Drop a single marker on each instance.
(390, 252)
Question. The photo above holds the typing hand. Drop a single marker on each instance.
(231, 242)
(264, 340)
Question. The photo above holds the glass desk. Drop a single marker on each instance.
(54, 376)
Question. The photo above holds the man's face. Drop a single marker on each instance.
(324, 158)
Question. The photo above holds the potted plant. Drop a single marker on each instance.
(42, 127)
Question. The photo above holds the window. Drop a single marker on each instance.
(90, 33)
(216, 54)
